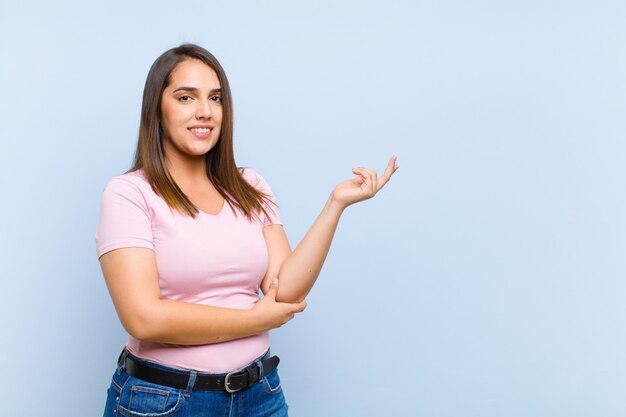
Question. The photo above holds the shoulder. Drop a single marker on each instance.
(131, 182)
(125, 214)
(136, 178)
(132, 187)
(255, 179)
(270, 214)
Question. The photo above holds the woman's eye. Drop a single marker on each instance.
(217, 99)
(184, 98)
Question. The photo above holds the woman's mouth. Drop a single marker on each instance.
(201, 132)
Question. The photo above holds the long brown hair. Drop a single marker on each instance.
(220, 160)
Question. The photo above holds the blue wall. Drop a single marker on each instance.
(486, 280)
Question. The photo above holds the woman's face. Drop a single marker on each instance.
(191, 111)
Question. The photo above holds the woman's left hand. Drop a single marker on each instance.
(366, 184)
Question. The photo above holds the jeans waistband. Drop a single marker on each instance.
(191, 380)
(126, 353)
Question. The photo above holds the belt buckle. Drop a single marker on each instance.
(227, 382)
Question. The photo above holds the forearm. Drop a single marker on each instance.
(301, 268)
(176, 322)
(132, 278)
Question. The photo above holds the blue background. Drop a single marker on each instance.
(487, 279)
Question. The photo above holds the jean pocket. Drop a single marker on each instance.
(144, 399)
(271, 383)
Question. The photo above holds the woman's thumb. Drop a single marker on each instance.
(271, 292)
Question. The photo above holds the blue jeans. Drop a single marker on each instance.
(133, 397)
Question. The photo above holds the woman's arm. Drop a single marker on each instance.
(298, 270)
(131, 276)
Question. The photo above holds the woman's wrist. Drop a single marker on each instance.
(334, 206)
(257, 321)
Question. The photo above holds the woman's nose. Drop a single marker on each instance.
(204, 110)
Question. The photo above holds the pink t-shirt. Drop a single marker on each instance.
(217, 260)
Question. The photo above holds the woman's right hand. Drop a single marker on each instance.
(365, 185)
(272, 314)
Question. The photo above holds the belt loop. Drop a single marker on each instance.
(121, 361)
(122, 357)
(190, 384)
(259, 363)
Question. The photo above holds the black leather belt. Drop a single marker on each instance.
(231, 382)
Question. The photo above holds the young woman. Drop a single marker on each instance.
(186, 240)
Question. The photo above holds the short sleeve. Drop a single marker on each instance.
(271, 207)
(124, 218)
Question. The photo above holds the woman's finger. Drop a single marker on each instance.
(361, 174)
(392, 167)
(369, 176)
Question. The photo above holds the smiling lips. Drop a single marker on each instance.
(201, 132)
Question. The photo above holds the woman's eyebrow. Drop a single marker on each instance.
(194, 89)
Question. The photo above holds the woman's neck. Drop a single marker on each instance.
(187, 171)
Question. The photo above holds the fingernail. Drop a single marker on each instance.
(275, 281)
